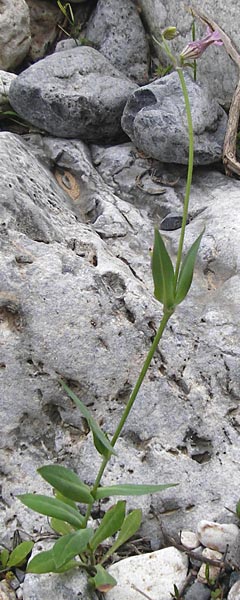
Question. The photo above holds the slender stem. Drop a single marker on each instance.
(164, 321)
(189, 174)
(194, 62)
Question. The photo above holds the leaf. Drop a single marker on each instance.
(4, 555)
(129, 489)
(70, 545)
(186, 272)
(163, 273)
(63, 498)
(19, 554)
(67, 483)
(130, 525)
(102, 581)
(60, 527)
(52, 508)
(104, 447)
(111, 522)
(44, 562)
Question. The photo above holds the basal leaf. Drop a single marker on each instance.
(129, 527)
(102, 581)
(60, 527)
(186, 272)
(163, 273)
(19, 554)
(129, 489)
(44, 562)
(52, 507)
(110, 523)
(70, 545)
(67, 483)
(103, 446)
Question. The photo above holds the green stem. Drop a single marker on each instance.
(164, 321)
(189, 174)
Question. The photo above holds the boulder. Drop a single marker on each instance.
(73, 94)
(155, 119)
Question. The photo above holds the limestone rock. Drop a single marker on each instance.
(189, 539)
(15, 37)
(213, 570)
(224, 537)
(155, 120)
(154, 574)
(73, 94)
(215, 66)
(234, 593)
(5, 82)
(117, 32)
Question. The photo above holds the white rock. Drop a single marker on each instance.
(154, 574)
(234, 593)
(213, 571)
(15, 35)
(189, 539)
(218, 535)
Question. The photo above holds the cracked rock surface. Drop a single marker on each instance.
(76, 301)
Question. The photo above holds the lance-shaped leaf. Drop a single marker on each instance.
(101, 442)
(110, 523)
(102, 581)
(186, 272)
(129, 489)
(60, 526)
(67, 483)
(163, 272)
(68, 546)
(19, 554)
(4, 556)
(52, 507)
(44, 562)
(130, 525)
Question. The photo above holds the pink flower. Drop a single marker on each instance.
(194, 50)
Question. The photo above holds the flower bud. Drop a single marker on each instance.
(170, 33)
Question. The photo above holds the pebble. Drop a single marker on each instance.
(189, 539)
(234, 593)
(198, 591)
(153, 574)
(213, 571)
(218, 535)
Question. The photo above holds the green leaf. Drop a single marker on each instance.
(186, 272)
(130, 525)
(129, 489)
(238, 509)
(103, 446)
(110, 523)
(52, 508)
(163, 272)
(70, 545)
(102, 581)
(60, 527)
(19, 554)
(63, 498)
(44, 562)
(67, 483)
(4, 555)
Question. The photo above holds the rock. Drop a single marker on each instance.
(224, 537)
(198, 591)
(234, 593)
(72, 584)
(155, 120)
(5, 82)
(77, 93)
(154, 574)
(15, 37)
(189, 539)
(44, 19)
(117, 32)
(215, 62)
(171, 222)
(213, 570)
(6, 593)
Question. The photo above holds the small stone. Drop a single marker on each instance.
(234, 593)
(171, 222)
(5, 591)
(189, 539)
(234, 577)
(221, 537)
(213, 571)
(154, 574)
(198, 591)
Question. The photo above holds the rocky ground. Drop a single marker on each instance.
(94, 159)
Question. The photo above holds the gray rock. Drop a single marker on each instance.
(234, 593)
(155, 120)
(117, 32)
(198, 591)
(15, 37)
(73, 94)
(5, 82)
(215, 67)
